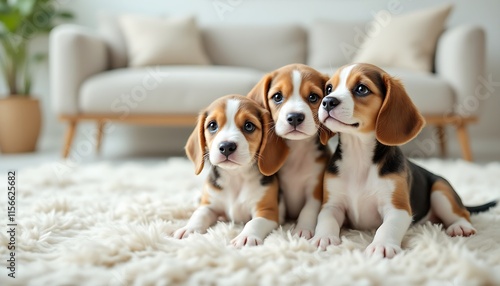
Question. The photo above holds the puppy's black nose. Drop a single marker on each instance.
(295, 119)
(227, 148)
(330, 102)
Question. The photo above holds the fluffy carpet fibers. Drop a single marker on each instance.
(109, 224)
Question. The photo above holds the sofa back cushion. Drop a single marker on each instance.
(261, 47)
(109, 29)
(162, 41)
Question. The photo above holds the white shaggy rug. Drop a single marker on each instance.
(110, 224)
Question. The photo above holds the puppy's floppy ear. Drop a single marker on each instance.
(260, 90)
(398, 120)
(195, 146)
(324, 133)
(273, 149)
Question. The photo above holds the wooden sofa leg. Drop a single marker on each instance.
(441, 134)
(100, 128)
(68, 140)
(463, 139)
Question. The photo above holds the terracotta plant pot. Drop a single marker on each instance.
(20, 123)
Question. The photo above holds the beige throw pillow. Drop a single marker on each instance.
(406, 41)
(162, 41)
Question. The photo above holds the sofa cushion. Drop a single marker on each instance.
(261, 47)
(431, 94)
(162, 41)
(162, 90)
(406, 41)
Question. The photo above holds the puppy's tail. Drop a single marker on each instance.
(481, 208)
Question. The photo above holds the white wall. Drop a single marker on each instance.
(486, 134)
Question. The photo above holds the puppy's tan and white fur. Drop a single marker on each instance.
(369, 184)
(293, 94)
(233, 136)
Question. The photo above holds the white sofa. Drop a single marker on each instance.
(90, 79)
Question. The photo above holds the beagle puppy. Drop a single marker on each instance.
(369, 184)
(293, 94)
(233, 136)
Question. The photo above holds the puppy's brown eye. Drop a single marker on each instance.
(328, 89)
(361, 90)
(313, 98)
(278, 97)
(212, 127)
(249, 127)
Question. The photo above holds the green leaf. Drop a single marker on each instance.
(27, 82)
(11, 20)
(66, 15)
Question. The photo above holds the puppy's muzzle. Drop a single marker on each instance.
(295, 119)
(227, 148)
(330, 103)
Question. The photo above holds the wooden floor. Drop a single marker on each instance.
(439, 122)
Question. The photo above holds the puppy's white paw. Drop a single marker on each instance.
(305, 233)
(186, 231)
(461, 228)
(387, 250)
(323, 241)
(246, 240)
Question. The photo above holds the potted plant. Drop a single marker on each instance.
(20, 115)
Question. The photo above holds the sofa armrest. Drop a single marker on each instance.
(75, 54)
(460, 60)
